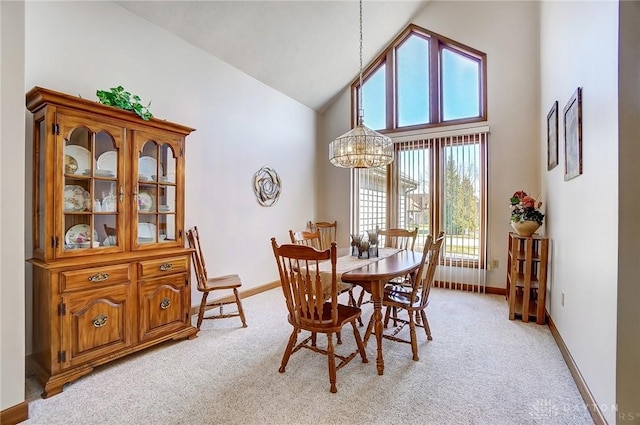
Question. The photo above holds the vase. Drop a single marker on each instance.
(525, 228)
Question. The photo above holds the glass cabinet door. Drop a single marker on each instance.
(156, 195)
(92, 189)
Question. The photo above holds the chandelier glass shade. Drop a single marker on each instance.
(361, 147)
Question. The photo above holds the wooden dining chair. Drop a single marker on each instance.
(398, 238)
(208, 284)
(393, 238)
(312, 239)
(412, 300)
(309, 310)
(304, 237)
(328, 232)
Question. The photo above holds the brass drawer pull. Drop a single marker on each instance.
(100, 320)
(165, 266)
(165, 303)
(99, 277)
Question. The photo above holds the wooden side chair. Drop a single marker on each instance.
(209, 284)
(309, 310)
(328, 232)
(399, 238)
(413, 300)
(304, 237)
(312, 239)
(393, 238)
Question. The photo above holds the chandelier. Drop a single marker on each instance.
(361, 147)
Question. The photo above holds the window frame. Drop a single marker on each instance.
(437, 43)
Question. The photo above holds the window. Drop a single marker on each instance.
(413, 81)
(461, 88)
(422, 80)
(436, 183)
(373, 99)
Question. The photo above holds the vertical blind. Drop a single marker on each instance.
(435, 184)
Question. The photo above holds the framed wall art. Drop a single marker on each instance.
(552, 137)
(573, 136)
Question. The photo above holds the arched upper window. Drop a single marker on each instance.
(422, 79)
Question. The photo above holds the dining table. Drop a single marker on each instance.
(373, 276)
(372, 273)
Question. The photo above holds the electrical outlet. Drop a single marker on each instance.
(495, 264)
(562, 299)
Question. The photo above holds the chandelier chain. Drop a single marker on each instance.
(361, 46)
(360, 102)
(361, 147)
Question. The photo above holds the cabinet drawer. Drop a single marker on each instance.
(94, 278)
(163, 266)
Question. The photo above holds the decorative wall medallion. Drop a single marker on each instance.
(267, 186)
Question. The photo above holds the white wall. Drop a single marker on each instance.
(333, 189)
(508, 33)
(241, 124)
(12, 170)
(582, 213)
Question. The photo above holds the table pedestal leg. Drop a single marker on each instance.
(376, 297)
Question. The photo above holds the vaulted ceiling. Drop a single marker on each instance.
(307, 50)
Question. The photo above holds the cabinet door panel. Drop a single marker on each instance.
(96, 323)
(91, 154)
(157, 164)
(163, 305)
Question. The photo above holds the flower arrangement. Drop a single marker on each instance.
(524, 207)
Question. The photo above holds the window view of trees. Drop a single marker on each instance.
(461, 202)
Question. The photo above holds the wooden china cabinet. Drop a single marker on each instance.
(111, 274)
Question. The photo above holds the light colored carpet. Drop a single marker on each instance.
(480, 368)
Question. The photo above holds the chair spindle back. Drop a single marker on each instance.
(399, 238)
(198, 259)
(328, 232)
(427, 271)
(304, 237)
(300, 278)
